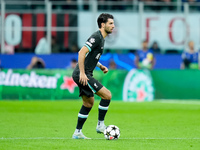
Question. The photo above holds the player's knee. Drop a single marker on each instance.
(89, 104)
(108, 95)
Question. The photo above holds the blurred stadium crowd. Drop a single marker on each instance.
(108, 4)
(111, 5)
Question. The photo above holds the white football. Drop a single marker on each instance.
(112, 132)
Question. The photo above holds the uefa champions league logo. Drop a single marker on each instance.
(138, 86)
(92, 40)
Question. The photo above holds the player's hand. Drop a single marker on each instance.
(104, 69)
(83, 79)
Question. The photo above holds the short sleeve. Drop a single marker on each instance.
(92, 42)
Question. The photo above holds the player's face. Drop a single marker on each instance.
(145, 45)
(191, 45)
(109, 26)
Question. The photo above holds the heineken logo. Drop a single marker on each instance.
(138, 86)
(68, 84)
(31, 80)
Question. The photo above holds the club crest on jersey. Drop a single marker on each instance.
(98, 56)
(92, 40)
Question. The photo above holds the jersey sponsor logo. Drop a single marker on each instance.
(89, 44)
(98, 56)
(138, 86)
(91, 40)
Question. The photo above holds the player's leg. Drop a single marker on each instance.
(88, 102)
(106, 96)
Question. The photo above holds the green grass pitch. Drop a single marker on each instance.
(46, 125)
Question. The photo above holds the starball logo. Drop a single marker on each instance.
(138, 86)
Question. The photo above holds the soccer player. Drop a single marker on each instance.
(88, 59)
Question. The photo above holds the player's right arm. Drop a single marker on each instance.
(81, 60)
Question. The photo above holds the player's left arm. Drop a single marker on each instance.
(102, 67)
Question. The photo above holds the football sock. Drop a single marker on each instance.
(82, 116)
(103, 108)
(100, 123)
(78, 131)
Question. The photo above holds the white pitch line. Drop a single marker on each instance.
(180, 102)
(63, 138)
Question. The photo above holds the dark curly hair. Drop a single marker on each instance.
(103, 18)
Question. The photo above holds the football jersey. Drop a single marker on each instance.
(143, 54)
(95, 44)
(192, 57)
